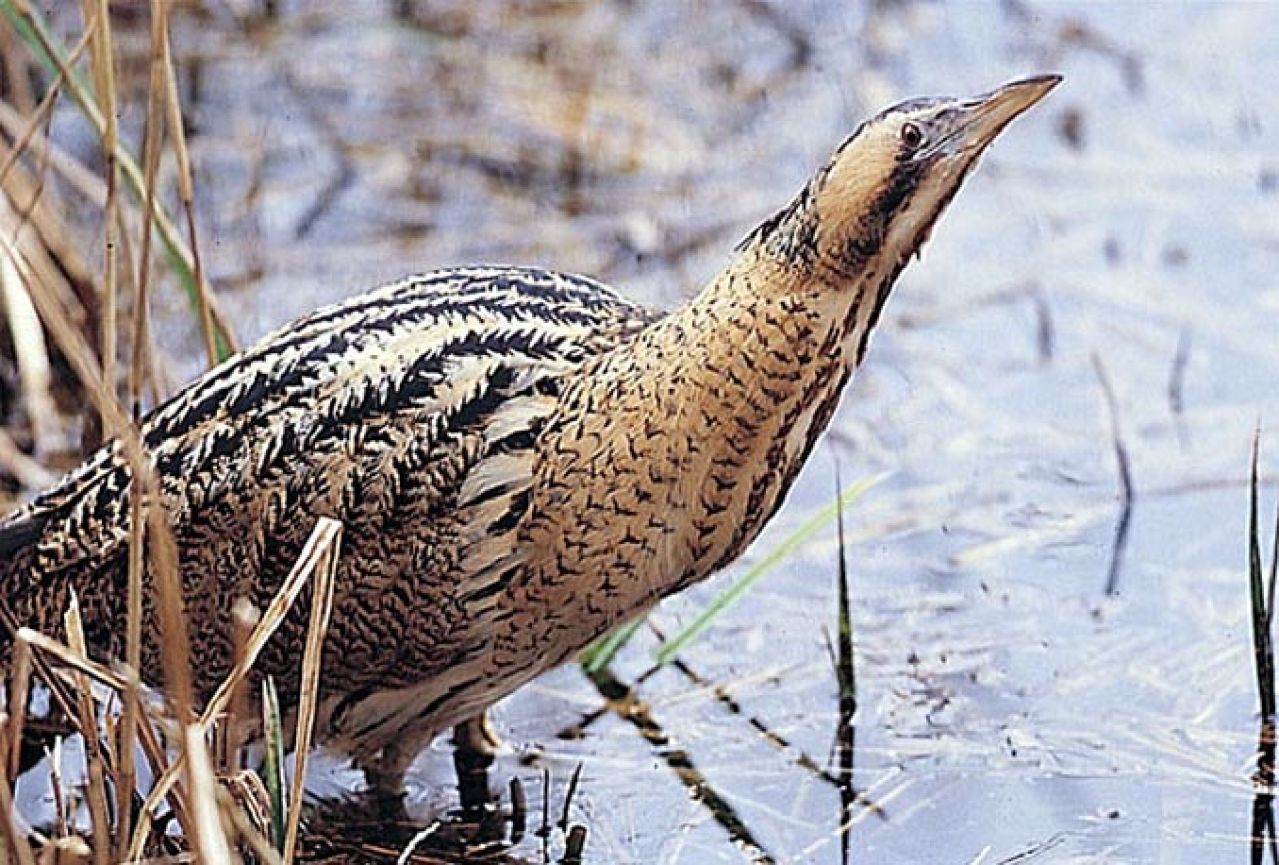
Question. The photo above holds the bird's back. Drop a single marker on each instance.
(381, 412)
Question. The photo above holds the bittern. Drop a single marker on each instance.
(521, 459)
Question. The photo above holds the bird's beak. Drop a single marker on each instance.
(989, 114)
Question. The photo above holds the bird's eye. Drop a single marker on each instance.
(912, 135)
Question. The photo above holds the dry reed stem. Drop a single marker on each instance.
(308, 699)
(14, 836)
(19, 690)
(104, 83)
(15, 69)
(72, 170)
(251, 835)
(37, 119)
(210, 838)
(71, 659)
(29, 348)
(133, 659)
(48, 244)
(186, 188)
(137, 517)
(97, 788)
(244, 618)
(151, 148)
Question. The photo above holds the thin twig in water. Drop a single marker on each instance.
(1125, 478)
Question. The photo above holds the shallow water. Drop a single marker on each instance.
(1010, 709)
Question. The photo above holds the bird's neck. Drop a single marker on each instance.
(755, 365)
(673, 450)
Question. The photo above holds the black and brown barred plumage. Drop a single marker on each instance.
(521, 459)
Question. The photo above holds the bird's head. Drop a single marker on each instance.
(878, 197)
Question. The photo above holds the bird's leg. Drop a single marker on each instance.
(474, 747)
(384, 774)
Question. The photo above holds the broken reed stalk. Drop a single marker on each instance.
(14, 840)
(210, 840)
(93, 755)
(19, 689)
(244, 619)
(309, 697)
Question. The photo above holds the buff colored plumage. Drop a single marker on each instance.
(521, 459)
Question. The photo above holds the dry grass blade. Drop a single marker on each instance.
(93, 756)
(19, 690)
(317, 628)
(38, 118)
(210, 839)
(74, 172)
(15, 840)
(132, 710)
(104, 85)
(34, 367)
(186, 188)
(72, 659)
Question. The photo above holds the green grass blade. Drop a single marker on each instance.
(599, 654)
(788, 545)
(845, 672)
(1263, 651)
(274, 762)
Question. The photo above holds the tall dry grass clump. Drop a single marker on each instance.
(87, 316)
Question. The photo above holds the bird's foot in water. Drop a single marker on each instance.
(475, 747)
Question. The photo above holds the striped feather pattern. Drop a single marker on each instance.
(521, 459)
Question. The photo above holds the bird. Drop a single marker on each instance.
(521, 459)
